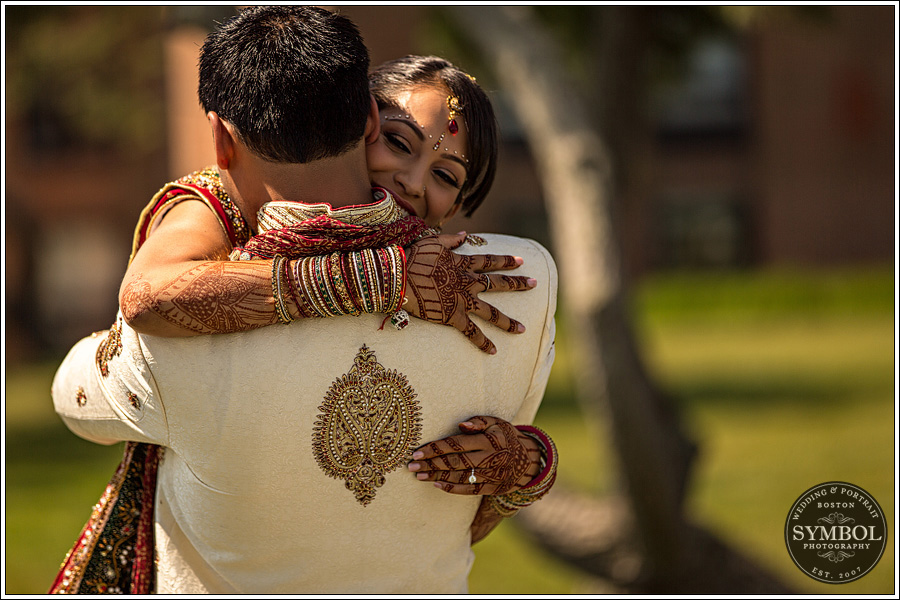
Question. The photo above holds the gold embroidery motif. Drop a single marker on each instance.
(80, 396)
(368, 425)
(109, 348)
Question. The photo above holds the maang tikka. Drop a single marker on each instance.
(455, 108)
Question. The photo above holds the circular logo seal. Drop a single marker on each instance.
(835, 532)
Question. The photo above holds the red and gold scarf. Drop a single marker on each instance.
(295, 230)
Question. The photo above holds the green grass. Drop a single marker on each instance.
(710, 297)
(779, 406)
(785, 380)
(52, 479)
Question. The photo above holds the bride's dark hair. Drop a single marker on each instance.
(389, 80)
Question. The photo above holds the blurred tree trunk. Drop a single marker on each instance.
(579, 177)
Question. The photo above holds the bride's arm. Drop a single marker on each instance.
(180, 282)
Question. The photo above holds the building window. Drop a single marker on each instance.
(710, 99)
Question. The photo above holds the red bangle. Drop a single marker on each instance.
(549, 451)
(402, 275)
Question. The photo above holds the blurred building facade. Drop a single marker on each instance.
(776, 149)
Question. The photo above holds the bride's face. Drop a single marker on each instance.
(417, 158)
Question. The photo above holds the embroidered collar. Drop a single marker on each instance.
(383, 211)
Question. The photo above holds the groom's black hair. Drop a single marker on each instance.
(292, 80)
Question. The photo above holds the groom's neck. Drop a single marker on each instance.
(339, 181)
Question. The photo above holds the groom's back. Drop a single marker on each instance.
(285, 470)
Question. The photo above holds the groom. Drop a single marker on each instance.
(285, 446)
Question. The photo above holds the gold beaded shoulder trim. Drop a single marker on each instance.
(109, 348)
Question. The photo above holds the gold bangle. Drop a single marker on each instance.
(277, 291)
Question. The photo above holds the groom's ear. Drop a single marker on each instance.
(373, 122)
(223, 141)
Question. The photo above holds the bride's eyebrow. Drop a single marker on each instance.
(456, 158)
(415, 129)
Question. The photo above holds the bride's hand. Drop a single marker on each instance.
(498, 456)
(443, 287)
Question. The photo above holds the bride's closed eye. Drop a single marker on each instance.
(447, 178)
(397, 142)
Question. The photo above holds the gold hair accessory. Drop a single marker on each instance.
(472, 478)
(455, 108)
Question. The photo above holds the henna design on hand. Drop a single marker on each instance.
(514, 283)
(509, 462)
(444, 287)
(504, 458)
(472, 332)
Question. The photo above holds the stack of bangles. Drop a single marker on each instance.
(509, 503)
(342, 283)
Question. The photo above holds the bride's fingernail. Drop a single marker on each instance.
(519, 260)
(438, 485)
(418, 454)
(421, 476)
(414, 466)
(532, 283)
(520, 328)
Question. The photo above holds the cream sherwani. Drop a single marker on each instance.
(252, 497)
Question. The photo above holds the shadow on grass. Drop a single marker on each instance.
(801, 391)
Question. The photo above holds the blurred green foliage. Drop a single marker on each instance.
(86, 76)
